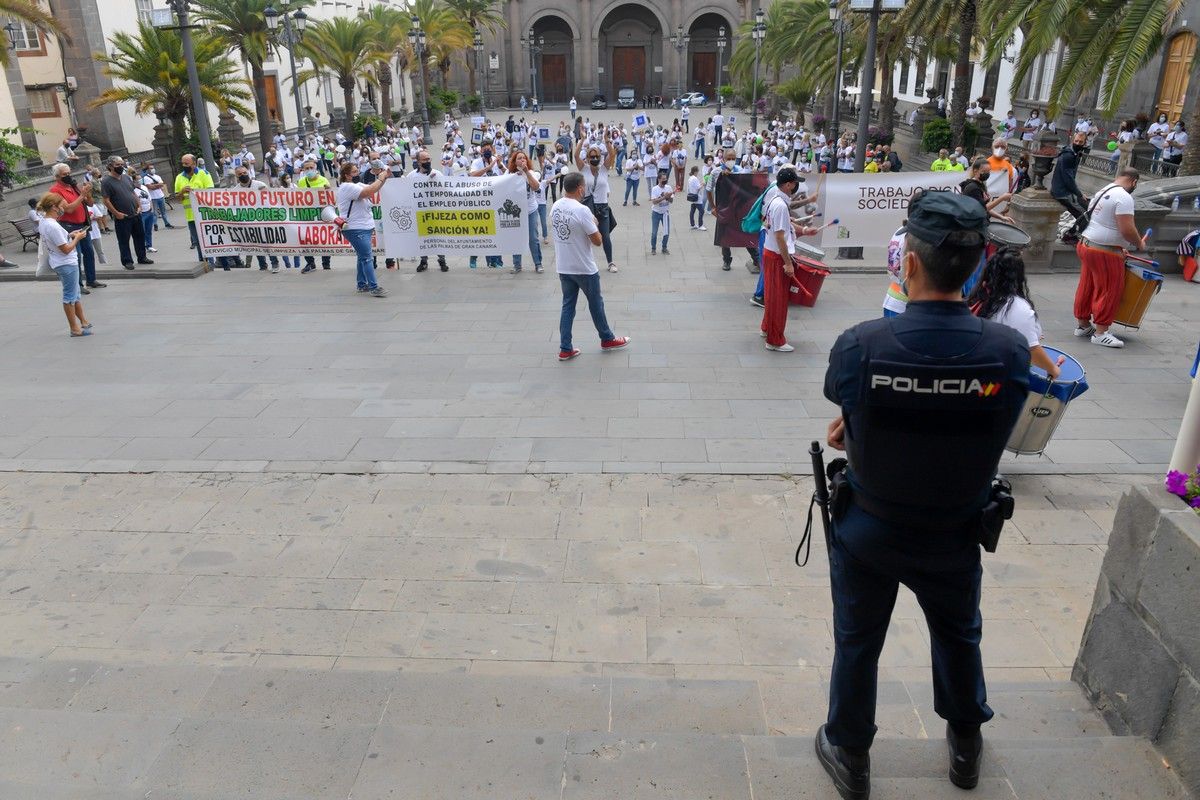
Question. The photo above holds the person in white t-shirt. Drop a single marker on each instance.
(695, 196)
(661, 197)
(59, 247)
(779, 250)
(1002, 295)
(354, 205)
(1176, 142)
(487, 163)
(718, 123)
(576, 232)
(600, 159)
(154, 183)
(1157, 132)
(1101, 251)
(518, 164)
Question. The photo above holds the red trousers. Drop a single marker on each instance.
(1101, 282)
(775, 297)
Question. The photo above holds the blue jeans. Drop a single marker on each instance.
(69, 276)
(148, 227)
(620, 160)
(655, 219)
(762, 238)
(631, 186)
(535, 245)
(160, 208)
(87, 255)
(495, 262)
(699, 149)
(542, 219)
(360, 240)
(572, 285)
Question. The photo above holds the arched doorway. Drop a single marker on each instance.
(702, 57)
(556, 64)
(1177, 69)
(630, 51)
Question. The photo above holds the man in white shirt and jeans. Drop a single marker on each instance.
(575, 233)
(1101, 251)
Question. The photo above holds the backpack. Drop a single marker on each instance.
(753, 221)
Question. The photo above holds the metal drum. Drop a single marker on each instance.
(1046, 404)
(1141, 285)
(1004, 235)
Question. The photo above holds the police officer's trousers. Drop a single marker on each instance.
(868, 561)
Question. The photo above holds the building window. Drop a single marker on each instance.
(42, 102)
(144, 8)
(922, 67)
(904, 68)
(26, 37)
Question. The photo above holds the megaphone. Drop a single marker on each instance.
(330, 214)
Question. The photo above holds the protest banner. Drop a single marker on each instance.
(641, 120)
(269, 222)
(455, 215)
(869, 206)
(734, 196)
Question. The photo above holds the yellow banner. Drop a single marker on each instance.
(478, 222)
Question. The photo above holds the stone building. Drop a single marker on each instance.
(600, 46)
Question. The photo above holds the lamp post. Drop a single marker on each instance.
(759, 33)
(680, 41)
(839, 27)
(199, 107)
(535, 45)
(720, 63)
(416, 39)
(487, 77)
(477, 42)
(292, 37)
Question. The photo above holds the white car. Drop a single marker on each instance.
(693, 99)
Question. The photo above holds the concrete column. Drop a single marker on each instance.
(589, 59)
(16, 89)
(81, 21)
(518, 61)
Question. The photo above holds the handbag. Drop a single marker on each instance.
(692, 197)
(43, 262)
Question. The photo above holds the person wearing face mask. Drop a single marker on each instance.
(778, 240)
(518, 164)
(1157, 132)
(122, 204)
(354, 205)
(242, 180)
(1063, 187)
(310, 178)
(1032, 126)
(1001, 178)
(1101, 250)
(600, 160)
(488, 163)
(74, 216)
(1176, 142)
(660, 214)
(423, 167)
(893, 528)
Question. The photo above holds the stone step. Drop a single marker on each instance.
(73, 729)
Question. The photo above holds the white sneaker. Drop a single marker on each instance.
(701, 228)
(151, 249)
(693, 227)
(1086, 330)
(1107, 340)
(763, 334)
(780, 348)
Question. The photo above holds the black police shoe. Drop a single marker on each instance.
(966, 753)
(850, 771)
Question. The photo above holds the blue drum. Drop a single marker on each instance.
(1046, 404)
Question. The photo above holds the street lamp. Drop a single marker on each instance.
(291, 38)
(535, 45)
(478, 45)
(416, 39)
(839, 27)
(199, 106)
(720, 63)
(680, 41)
(759, 33)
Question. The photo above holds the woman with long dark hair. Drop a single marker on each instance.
(1002, 295)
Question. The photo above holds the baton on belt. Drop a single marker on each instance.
(820, 498)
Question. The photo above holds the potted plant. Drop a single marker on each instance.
(1185, 485)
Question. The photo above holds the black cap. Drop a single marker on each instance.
(786, 175)
(933, 215)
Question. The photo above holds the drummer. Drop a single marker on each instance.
(1101, 251)
(1002, 295)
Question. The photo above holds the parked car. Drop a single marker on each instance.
(599, 102)
(626, 97)
(693, 99)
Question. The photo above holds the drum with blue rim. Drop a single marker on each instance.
(1046, 404)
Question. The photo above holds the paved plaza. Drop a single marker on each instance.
(262, 537)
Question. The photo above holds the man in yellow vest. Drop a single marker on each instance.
(311, 178)
(188, 179)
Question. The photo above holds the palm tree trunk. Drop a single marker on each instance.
(962, 72)
(887, 96)
(383, 73)
(1191, 152)
(347, 84)
(259, 81)
(471, 88)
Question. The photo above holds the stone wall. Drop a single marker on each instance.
(1140, 655)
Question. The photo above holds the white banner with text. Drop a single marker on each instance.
(869, 207)
(455, 215)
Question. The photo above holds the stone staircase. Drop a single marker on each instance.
(76, 730)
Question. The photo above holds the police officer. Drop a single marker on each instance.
(928, 400)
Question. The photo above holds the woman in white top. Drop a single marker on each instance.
(633, 177)
(518, 164)
(59, 247)
(1176, 142)
(660, 213)
(1002, 295)
(1158, 135)
(695, 196)
(595, 188)
(354, 205)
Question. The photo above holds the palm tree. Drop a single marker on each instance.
(152, 65)
(447, 34)
(345, 47)
(29, 11)
(242, 27)
(389, 27)
(481, 15)
(948, 25)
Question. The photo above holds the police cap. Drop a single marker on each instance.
(932, 216)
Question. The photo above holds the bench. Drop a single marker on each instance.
(27, 229)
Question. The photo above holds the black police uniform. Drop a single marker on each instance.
(929, 399)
